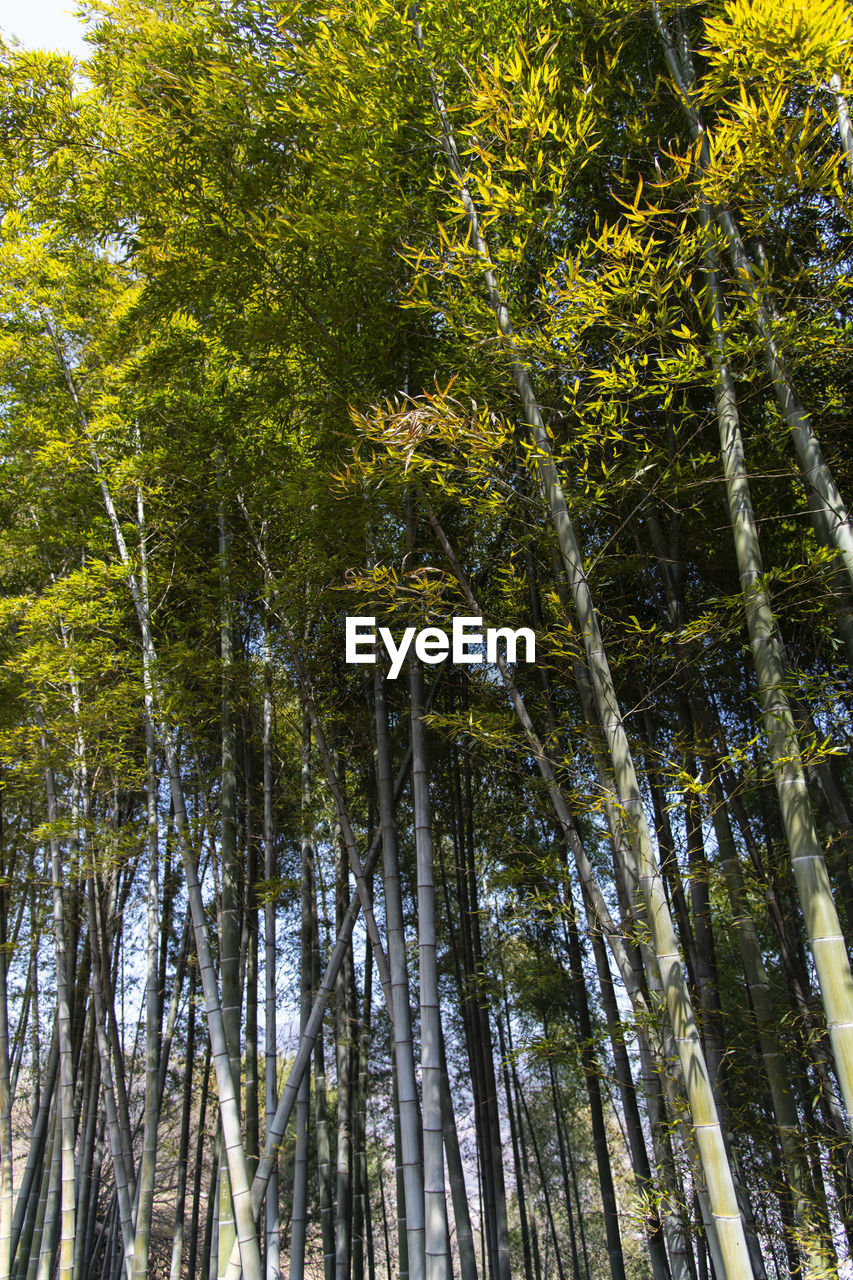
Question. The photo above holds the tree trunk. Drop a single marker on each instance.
(822, 925)
(343, 1058)
(6, 870)
(66, 1167)
(250, 920)
(361, 1202)
(324, 1158)
(404, 1063)
(145, 1181)
(817, 477)
(647, 873)
(230, 921)
(592, 1072)
(198, 1168)
(272, 1228)
(435, 1203)
(520, 1191)
(184, 1141)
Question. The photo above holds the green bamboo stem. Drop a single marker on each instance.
(362, 1243)
(250, 949)
(6, 868)
(67, 1168)
(705, 1121)
(148, 1163)
(343, 1077)
(198, 1165)
(91, 1074)
(404, 1063)
(456, 1178)
(813, 1230)
(810, 874)
(798, 1179)
(270, 1051)
(184, 1139)
(230, 916)
(47, 1232)
(40, 1136)
(153, 702)
(272, 1226)
(289, 1093)
(324, 1156)
(435, 1196)
(121, 1173)
(830, 508)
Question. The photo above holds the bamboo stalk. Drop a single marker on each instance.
(6, 869)
(198, 1167)
(343, 1078)
(435, 1202)
(124, 1189)
(403, 1062)
(812, 881)
(67, 1172)
(829, 507)
(272, 1224)
(184, 1139)
(228, 1101)
(694, 1069)
(289, 1093)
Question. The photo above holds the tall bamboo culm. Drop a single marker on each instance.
(810, 874)
(435, 1202)
(705, 1121)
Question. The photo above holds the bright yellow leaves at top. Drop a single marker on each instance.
(776, 40)
(775, 73)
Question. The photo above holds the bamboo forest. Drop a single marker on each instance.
(426, 635)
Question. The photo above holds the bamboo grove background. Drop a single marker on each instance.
(530, 311)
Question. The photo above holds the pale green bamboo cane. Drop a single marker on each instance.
(435, 1195)
(27, 1260)
(810, 874)
(343, 1075)
(842, 107)
(89, 1071)
(599, 918)
(797, 1175)
(41, 1264)
(63, 1025)
(184, 1140)
(5, 1091)
(148, 1163)
(272, 1224)
(121, 1174)
(40, 1135)
(704, 1116)
(404, 1062)
(456, 1177)
(229, 920)
(289, 1094)
(228, 1101)
(830, 510)
(672, 1215)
